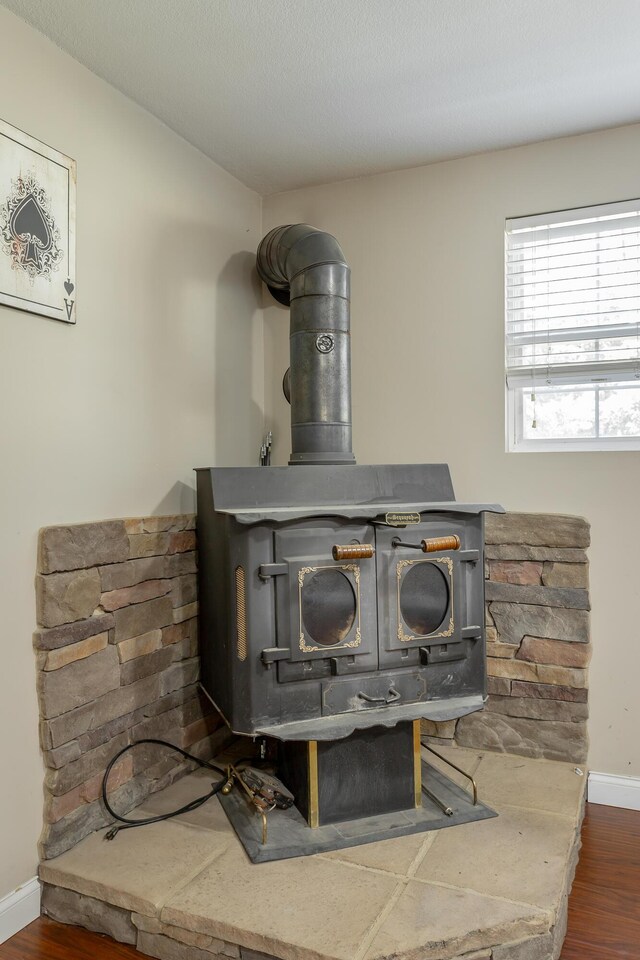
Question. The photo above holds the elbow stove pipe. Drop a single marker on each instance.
(309, 266)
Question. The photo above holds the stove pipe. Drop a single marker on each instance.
(305, 268)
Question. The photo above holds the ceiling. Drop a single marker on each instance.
(285, 93)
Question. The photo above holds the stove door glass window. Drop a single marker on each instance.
(424, 598)
(328, 607)
(326, 613)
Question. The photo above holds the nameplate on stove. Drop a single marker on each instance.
(401, 519)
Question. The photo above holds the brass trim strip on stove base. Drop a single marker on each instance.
(417, 765)
(312, 764)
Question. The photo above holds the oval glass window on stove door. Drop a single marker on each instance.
(424, 598)
(328, 607)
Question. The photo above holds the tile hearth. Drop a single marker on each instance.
(185, 890)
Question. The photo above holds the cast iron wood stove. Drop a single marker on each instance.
(339, 604)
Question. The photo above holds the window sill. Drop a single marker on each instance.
(614, 445)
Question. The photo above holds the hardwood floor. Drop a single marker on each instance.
(46, 940)
(604, 909)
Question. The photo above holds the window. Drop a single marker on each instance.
(573, 329)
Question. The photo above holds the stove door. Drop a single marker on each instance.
(423, 604)
(326, 614)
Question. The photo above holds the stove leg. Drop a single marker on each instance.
(417, 765)
(313, 818)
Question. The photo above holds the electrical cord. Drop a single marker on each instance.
(124, 823)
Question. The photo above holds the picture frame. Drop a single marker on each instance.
(37, 226)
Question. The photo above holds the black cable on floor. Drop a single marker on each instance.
(127, 824)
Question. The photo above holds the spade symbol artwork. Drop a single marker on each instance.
(29, 227)
(68, 304)
(28, 232)
(37, 227)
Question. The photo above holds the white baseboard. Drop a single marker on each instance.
(614, 791)
(20, 908)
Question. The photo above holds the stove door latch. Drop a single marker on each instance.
(268, 570)
(272, 654)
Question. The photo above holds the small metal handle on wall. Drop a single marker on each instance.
(353, 551)
(391, 698)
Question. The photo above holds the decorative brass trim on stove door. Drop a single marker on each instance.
(353, 568)
(400, 566)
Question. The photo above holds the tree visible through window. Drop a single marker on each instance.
(573, 329)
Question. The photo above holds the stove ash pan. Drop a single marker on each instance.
(319, 616)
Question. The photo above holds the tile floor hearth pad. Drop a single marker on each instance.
(481, 859)
(533, 784)
(310, 908)
(433, 923)
(140, 868)
(493, 889)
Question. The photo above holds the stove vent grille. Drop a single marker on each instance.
(241, 614)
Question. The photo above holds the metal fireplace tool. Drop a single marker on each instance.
(339, 604)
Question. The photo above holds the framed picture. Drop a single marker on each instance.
(37, 226)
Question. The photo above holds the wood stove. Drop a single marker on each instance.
(336, 600)
(299, 645)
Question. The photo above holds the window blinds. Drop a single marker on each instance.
(573, 296)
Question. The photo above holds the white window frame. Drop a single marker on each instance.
(515, 442)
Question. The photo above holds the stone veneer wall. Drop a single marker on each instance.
(538, 641)
(117, 662)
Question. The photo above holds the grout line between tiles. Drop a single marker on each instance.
(525, 761)
(187, 880)
(361, 866)
(478, 893)
(395, 896)
(413, 866)
(370, 936)
(429, 840)
(550, 813)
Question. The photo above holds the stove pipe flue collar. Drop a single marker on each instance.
(305, 267)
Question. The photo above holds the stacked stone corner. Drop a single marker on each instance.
(538, 640)
(116, 654)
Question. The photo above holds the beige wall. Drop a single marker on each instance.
(426, 251)
(163, 371)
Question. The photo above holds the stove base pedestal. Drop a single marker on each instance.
(289, 834)
(369, 773)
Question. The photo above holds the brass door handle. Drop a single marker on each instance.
(392, 697)
(353, 551)
(433, 544)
